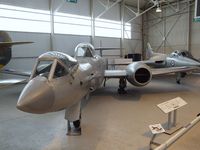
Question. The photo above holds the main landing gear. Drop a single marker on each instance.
(179, 76)
(122, 85)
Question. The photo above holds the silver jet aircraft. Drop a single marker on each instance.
(59, 81)
(178, 58)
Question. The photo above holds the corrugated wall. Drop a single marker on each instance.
(180, 30)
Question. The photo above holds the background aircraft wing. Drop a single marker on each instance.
(2, 44)
(161, 71)
(10, 82)
(15, 72)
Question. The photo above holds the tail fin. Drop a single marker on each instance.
(149, 50)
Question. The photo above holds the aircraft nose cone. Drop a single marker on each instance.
(37, 96)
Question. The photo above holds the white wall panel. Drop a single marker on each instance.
(41, 44)
(25, 64)
(67, 43)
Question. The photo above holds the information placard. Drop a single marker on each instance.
(172, 105)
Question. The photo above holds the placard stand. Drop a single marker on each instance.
(170, 108)
(172, 126)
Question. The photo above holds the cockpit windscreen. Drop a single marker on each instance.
(43, 68)
(182, 53)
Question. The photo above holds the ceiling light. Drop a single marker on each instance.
(158, 9)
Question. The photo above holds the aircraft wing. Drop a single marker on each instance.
(162, 71)
(15, 72)
(114, 73)
(154, 71)
(10, 82)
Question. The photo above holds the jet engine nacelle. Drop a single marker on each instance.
(138, 74)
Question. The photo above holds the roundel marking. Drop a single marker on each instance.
(172, 63)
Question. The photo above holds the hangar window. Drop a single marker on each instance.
(15, 18)
(109, 28)
(72, 24)
(81, 25)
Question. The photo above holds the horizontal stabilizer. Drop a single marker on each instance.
(2, 44)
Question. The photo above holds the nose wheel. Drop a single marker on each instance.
(74, 128)
(122, 86)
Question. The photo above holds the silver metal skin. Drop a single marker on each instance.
(48, 94)
(175, 59)
(59, 82)
(138, 74)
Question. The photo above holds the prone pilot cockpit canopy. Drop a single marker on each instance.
(67, 60)
(54, 64)
(84, 50)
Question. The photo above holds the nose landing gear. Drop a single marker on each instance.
(74, 128)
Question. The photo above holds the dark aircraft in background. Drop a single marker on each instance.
(59, 82)
(178, 58)
(5, 56)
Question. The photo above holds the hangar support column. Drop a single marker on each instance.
(122, 52)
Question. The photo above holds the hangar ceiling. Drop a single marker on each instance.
(146, 2)
(134, 2)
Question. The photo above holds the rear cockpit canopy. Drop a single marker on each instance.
(84, 50)
(54, 65)
(182, 53)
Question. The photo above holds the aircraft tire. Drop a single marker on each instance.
(77, 123)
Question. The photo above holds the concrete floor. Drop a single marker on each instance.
(109, 121)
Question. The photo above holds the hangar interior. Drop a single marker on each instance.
(109, 121)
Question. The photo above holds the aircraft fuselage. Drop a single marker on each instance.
(173, 60)
(43, 94)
